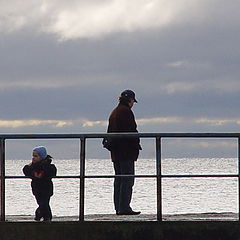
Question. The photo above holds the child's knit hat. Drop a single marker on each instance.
(42, 151)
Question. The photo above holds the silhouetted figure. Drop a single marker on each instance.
(41, 171)
(124, 152)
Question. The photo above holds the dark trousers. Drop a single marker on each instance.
(44, 210)
(123, 185)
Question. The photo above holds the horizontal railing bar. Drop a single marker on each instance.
(116, 176)
(102, 135)
(201, 176)
(163, 176)
(141, 176)
(17, 177)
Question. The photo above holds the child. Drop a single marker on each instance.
(41, 171)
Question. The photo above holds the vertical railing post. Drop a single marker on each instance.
(82, 178)
(2, 172)
(239, 179)
(159, 178)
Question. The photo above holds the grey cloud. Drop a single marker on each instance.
(139, 57)
(95, 103)
(53, 104)
(82, 19)
(92, 19)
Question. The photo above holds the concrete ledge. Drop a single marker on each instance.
(120, 230)
(227, 216)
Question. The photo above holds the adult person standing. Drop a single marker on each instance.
(125, 152)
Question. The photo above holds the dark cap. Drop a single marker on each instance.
(129, 94)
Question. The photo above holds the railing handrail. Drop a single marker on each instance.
(129, 134)
(136, 176)
(83, 136)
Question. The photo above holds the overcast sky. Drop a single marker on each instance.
(63, 64)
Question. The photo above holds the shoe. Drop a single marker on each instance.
(38, 215)
(47, 220)
(131, 212)
(37, 219)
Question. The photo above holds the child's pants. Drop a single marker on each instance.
(44, 210)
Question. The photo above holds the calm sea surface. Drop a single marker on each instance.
(180, 195)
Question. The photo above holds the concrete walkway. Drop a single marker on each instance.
(141, 217)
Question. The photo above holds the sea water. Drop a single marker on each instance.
(179, 195)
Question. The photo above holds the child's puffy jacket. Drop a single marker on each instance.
(42, 186)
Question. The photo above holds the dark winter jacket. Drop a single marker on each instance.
(122, 120)
(41, 186)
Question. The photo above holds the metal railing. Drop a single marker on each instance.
(82, 138)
